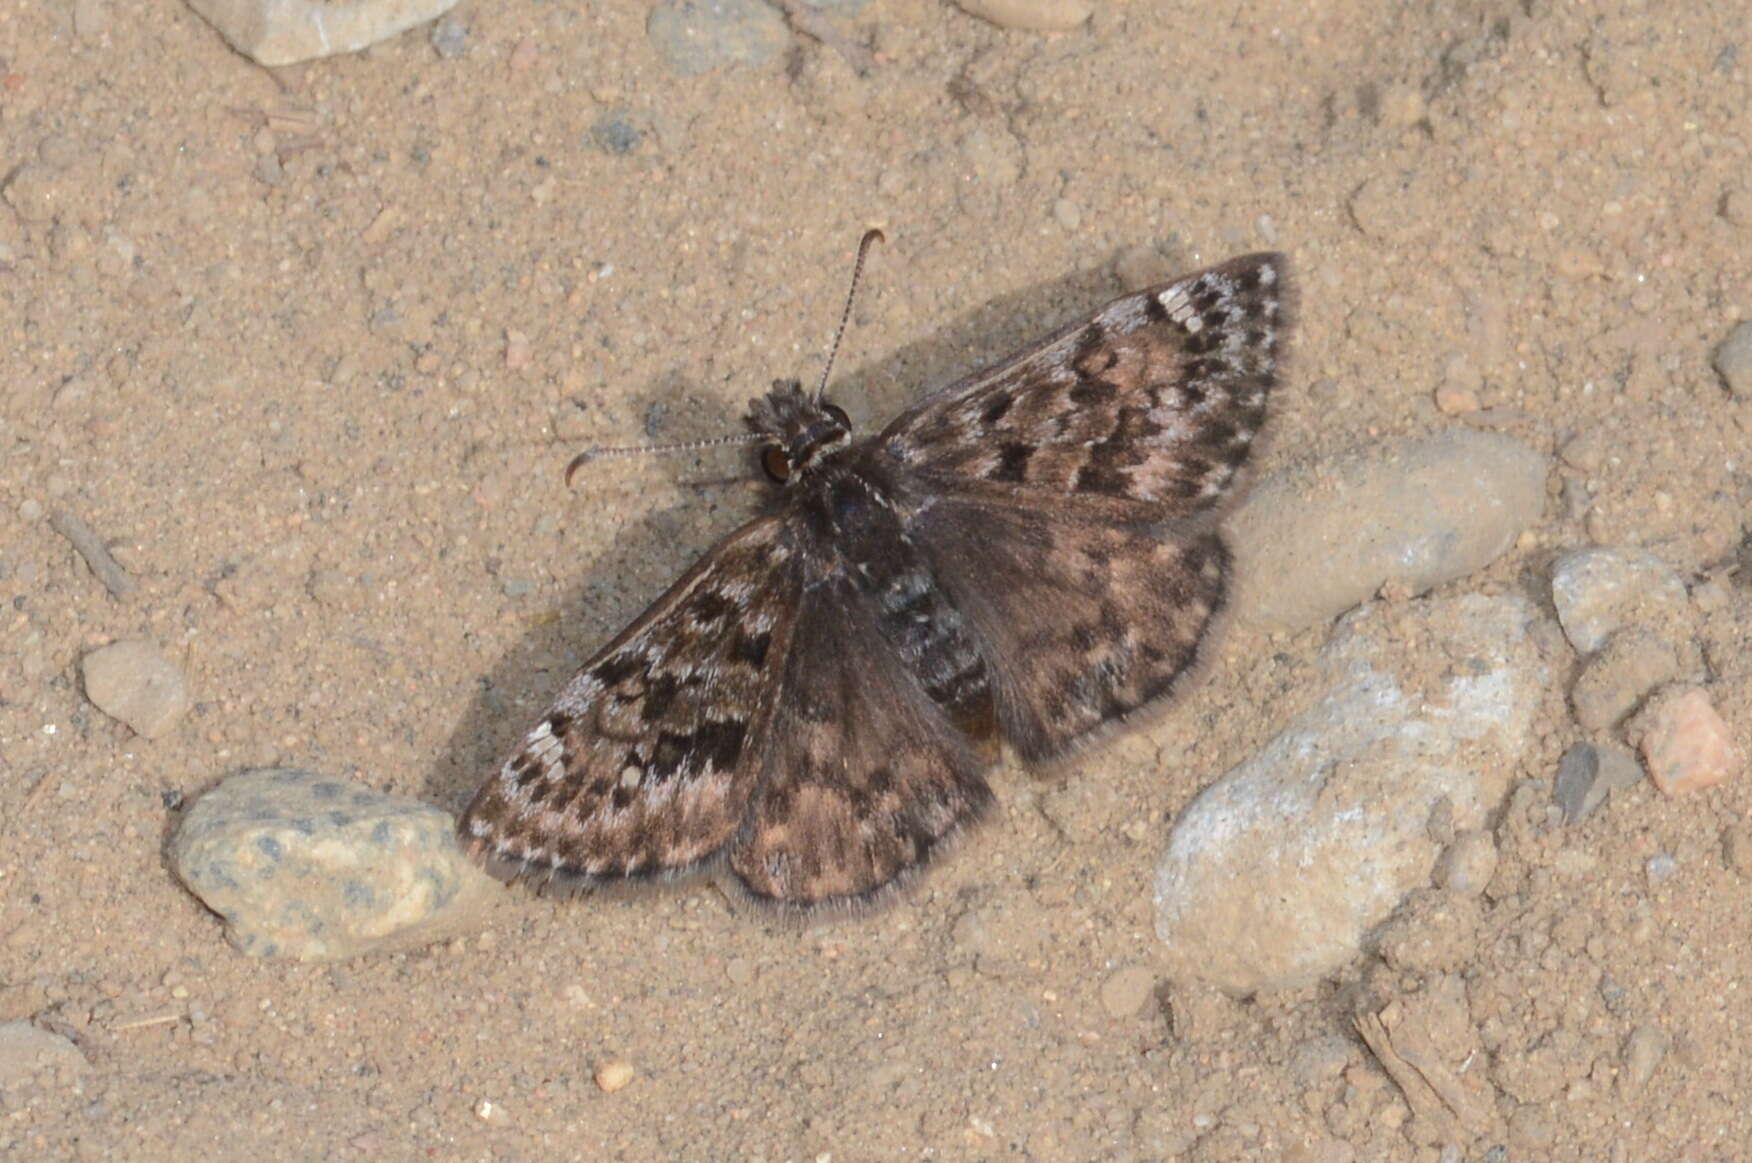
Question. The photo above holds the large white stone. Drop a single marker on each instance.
(1275, 873)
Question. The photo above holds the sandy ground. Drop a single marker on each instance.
(311, 347)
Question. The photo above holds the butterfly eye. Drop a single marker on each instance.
(775, 464)
(839, 415)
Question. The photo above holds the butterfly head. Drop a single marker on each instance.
(799, 431)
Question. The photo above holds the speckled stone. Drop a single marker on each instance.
(315, 868)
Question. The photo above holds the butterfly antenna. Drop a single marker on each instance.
(603, 453)
(870, 236)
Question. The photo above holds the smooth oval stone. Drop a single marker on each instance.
(1313, 541)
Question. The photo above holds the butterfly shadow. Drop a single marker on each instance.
(721, 488)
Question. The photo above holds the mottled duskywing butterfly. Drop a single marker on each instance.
(1028, 555)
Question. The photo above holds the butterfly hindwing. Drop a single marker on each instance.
(644, 765)
(864, 776)
(1155, 399)
(1095, 620)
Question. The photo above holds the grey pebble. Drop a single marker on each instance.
(697, 36)
(1660, 867)
(1312, 542)
(1733, 359)
(1643, 1052)
(134, 682)
(616, 134)
(318, 869)
(1598, 590)
(1578, 791)
(1588, 773)
(450, 38)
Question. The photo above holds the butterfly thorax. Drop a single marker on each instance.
(801, 431)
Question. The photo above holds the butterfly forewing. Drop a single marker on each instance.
(1158, 399)
(645, 764)
(1030, 553)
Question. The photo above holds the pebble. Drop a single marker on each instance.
(1029, 15)
(1643, 1052)
(1126, 991)
(1312, 542)
(1455, 401)
(1620, 675)
(134, 682)
(1684, 741)
(697, 36)
(613, 1076)
(1733, 359)
(1468, 864)
(492, 1113)
(1578, 790)
(283, 32)
(1275, 872)
(450, 38)
(1588, 773)
(315, 868)
(1598, 590)
(615, 133)
(26, 1051)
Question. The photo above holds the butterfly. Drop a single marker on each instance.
(1024, 558)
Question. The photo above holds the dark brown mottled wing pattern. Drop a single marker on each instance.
(1094, 621)
(1072, 494)
(864, 776)
(1156, 399)
(1030, 554)
(646, 762)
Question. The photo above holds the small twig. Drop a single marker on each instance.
(140, 1023)
(811, 23)
(95, 553)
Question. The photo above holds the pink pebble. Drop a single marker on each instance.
(1684, 742)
